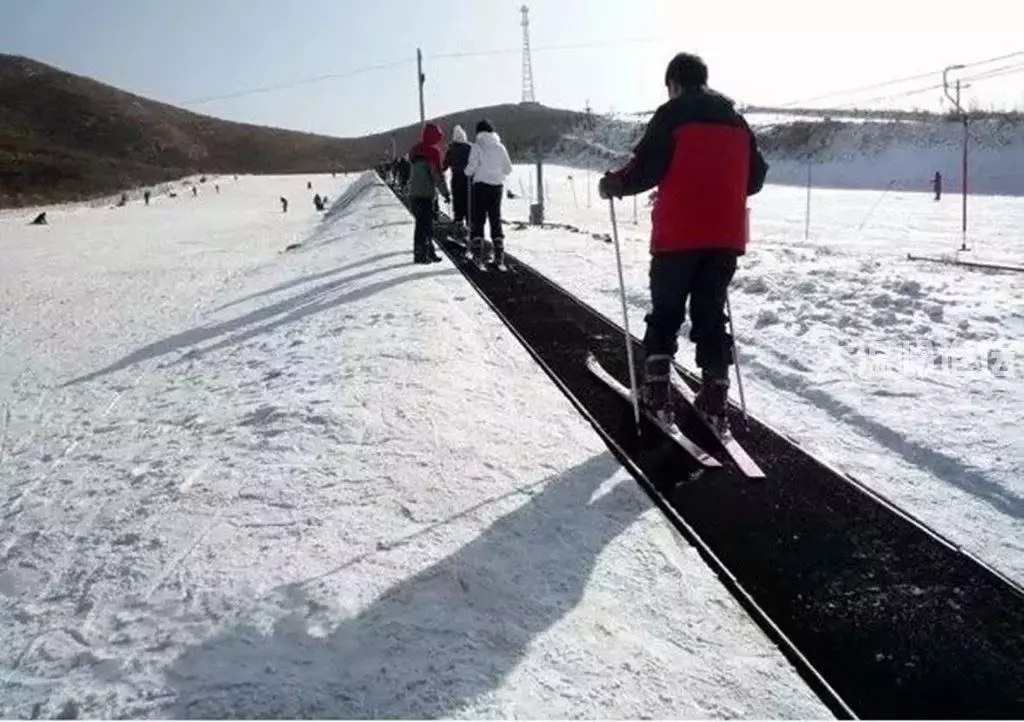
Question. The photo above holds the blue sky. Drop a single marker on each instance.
(179, 51)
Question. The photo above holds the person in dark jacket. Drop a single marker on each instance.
(425, 180)
(456, 159)
(403, 173)
(937, 185)
(703, 158)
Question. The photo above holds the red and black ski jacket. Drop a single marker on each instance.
(703, 157)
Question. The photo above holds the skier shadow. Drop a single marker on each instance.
(431, 644)
(319, 276)
(318, 299)
(391, 224)
(944, 467)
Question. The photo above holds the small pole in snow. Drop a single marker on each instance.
(588, 184)
(421, 79)
(807, 215)
(636, 218)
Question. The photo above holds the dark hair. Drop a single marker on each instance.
(688, 70)
(484, 126)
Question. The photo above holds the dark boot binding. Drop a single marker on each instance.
(712, 398)
(654, 390)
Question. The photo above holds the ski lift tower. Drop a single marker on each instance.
(528, 97)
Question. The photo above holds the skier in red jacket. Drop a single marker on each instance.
(426, 179)
(703, 158)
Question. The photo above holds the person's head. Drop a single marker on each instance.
(685, 72)
(484, 126)
(458, 134)
(432, 134)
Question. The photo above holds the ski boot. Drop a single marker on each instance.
(712, 398)
(474, 248)
(654, 392)
(484, 254)
(498, 259)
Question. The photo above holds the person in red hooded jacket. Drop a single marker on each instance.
(703, 158)
(426, 179)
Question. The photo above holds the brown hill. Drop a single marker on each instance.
(67, 137)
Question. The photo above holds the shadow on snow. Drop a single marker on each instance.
(433, 643)
(317, 299)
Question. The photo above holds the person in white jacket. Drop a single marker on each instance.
(488, 166)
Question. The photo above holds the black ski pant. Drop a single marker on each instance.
(487, 207)
(460, 196)
(703, 277)
(423, 233)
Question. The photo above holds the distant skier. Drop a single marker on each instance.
(488, 166)
(937, 185)
(146, 196)
(216, 188)
(318, 202)
(426, 179)
(404, 168)
(195, 192)
(284, 204)
(703, 157)
(456, 159)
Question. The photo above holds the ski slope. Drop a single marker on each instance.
(907, 375)
(237, 481)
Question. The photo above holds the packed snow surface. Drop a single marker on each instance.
(908, 375)
(238, 481)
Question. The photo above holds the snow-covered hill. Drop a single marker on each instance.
(237, 481)
(849, 155)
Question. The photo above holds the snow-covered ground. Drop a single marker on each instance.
(908, 375)
(237, 481)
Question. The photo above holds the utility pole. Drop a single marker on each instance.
(421, 79)
(963, 168)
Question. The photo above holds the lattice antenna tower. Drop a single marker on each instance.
(528, 96)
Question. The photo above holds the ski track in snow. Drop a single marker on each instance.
(907, 375)
(241, 482)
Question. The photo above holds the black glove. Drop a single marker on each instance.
(610, 186)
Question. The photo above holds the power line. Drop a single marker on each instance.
(301, 81)
(898, 81)
(996, 72)
(549, 48)
(985, 75)
(401, 63)
(892, 96)
(851, 91)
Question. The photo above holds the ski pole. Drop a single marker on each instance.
(469, 216)
(736, 360)
(625, 318)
